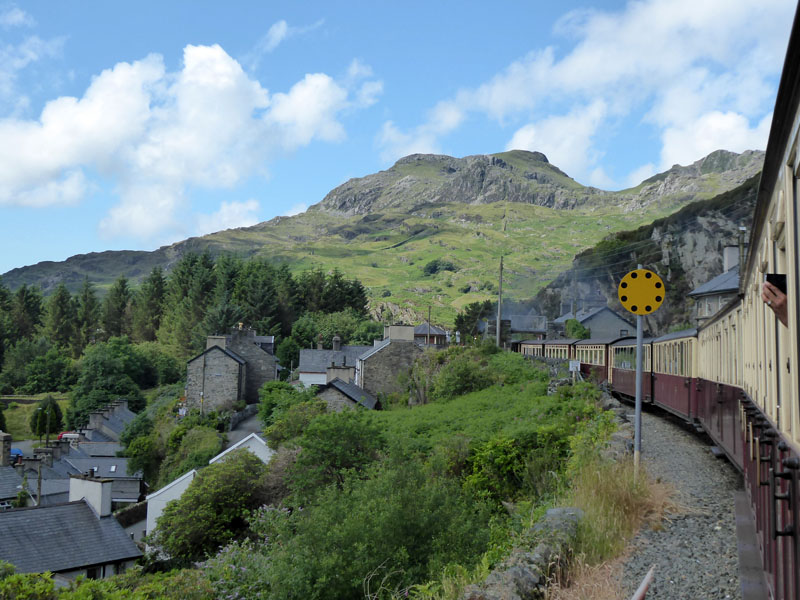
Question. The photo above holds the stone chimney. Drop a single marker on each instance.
(343, 372)
(96, 491)
(400, 332)
(337, 343)
(45, 455)
(730, 258)
(5, 449)
(216, 340)
(319, 342)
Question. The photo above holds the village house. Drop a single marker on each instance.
(601, 321)
(714, 294)
(343, 395)
(79, 537)
(231, 370)
(314, 364)
(378, 369)
(426, 334)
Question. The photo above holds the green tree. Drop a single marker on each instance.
(87, 318)
(288, 353)
(117, 309)
(574, 330)
(26, 312)
(60, 317)
(332, 446)
(47, 418)
(17, 358)
(467, 320)
(148, 306)
(213, 510)
(51, 372)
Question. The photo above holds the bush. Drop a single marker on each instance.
(213, 510)
(437, 265)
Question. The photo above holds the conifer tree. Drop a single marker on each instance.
(149, 306)
(116, 309)
(88, 317)
(26, 312)
(60, 318)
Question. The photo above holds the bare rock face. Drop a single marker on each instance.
(526, 177)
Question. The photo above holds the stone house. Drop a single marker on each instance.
(79, 537)
(713, 295)
(216, 380)
(378, 369)
(438, 337)
(342, 395)
(314, 364)
(234, 372)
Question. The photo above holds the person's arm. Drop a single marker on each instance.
(776, 300)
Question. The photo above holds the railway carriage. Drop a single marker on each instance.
(594, 355)
(672, 377)
(558, 348)
(622, 368)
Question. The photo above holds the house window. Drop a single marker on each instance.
(113, 468)
(92, 573)
(623, 332)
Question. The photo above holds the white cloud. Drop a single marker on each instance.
(675, 60)
(14, 16)
(229, 216)
(566, 140)
(296, 209)
(156, 134)
(639, 174)
(16, 57)
(712, 131)
(278, 32)
(396, 144)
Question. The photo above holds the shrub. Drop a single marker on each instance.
(437, 265)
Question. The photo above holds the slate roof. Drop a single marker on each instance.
(9, 482)
(527, 323)
(318, 361)
(603, 341)
(62, 537)
(226, 351)
(354, 392)
(160, 491)
(584, 315)
(373, 349)
(98, 448)
(422, 329)
(727, 282)
(238, 445)
(676, 335)
(104, 465)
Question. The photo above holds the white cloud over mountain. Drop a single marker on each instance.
(154, 134)
(703, 72)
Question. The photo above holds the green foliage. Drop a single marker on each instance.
(437, 265)
(87, 318)
(47, 418)
(117, 309)
(188, 448)
(276, 397)
(160, 366)
(467, 320)
(399, 527)
(60, 318)
(575, 331)
(17, 358)
(288, 353)
(334, 446)
(213, 510)
(148, 306)
(51, 372)
(458, 376)
(290, 422)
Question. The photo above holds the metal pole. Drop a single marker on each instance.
(637, 443)
(500, 302)
(428, 340)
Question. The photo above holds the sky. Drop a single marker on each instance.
(135, 125)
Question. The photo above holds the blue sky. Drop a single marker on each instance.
(137, 125)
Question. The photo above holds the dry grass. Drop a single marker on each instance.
(597, 582)
(616, 505)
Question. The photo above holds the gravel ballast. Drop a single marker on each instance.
(694, 551)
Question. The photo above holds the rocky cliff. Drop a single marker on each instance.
(685, 249)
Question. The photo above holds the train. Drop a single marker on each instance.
(737, 376)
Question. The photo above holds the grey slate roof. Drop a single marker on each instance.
(62, 537)
(355, 393)
(727, 282)
(104, 466)
(584, 315)
(226, 351)
(422, 329)
(676, 335)
(317, 361)
(373, 349)
(603, 341)
(98, 448)
(9, 480)
(527, 323)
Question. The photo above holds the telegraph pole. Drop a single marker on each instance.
(500, 302)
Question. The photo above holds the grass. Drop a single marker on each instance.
(18, 418)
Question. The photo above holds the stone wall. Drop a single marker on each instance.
(261, 366)
(336, 400)
(216, 376)
(379, 371)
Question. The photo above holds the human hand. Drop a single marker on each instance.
(776, 300)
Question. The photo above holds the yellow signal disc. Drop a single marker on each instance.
(641, 292)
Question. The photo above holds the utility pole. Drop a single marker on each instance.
(500, 303)
(428, 341)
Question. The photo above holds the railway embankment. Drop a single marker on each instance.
(695, 548)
